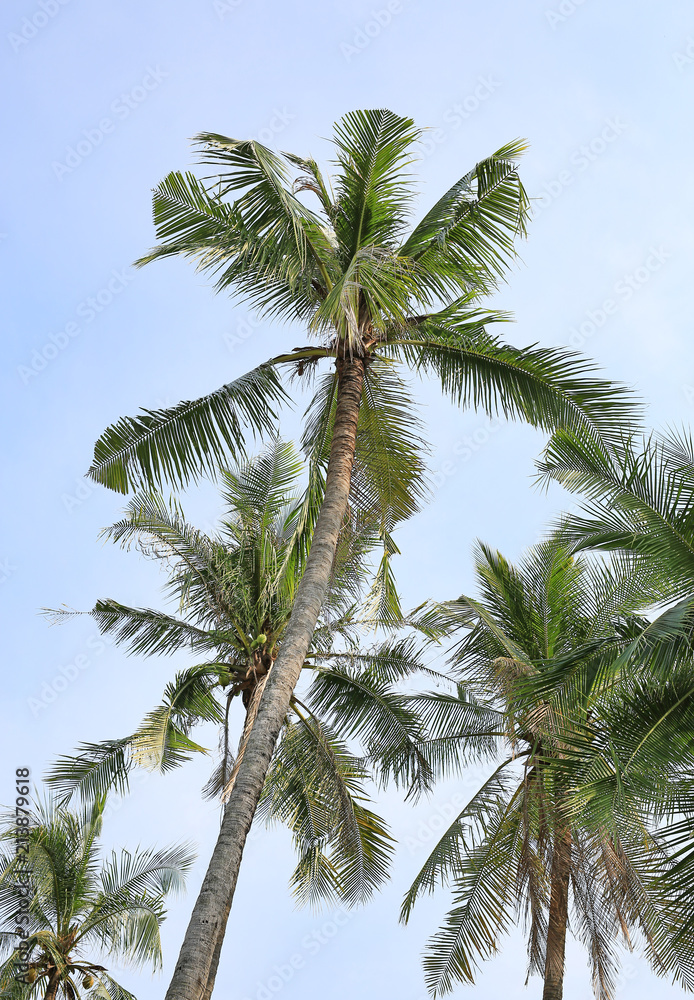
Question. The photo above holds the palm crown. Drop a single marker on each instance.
(81, 908)
(536, 649)
(235, 593)
(363, 283)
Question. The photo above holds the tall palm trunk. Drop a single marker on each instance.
(251, 715)
(558, 917)
(52, 988)
(208, 920)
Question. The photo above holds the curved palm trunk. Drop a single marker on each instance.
(207, 924)
(558, 917)
(52, 988)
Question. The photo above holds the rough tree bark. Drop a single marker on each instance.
(558, 917)
(194, 974)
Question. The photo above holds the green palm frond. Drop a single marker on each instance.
(389, 479)
(382, 603)
(483, 904)
(107, 988)
(192, 438)
(546, 387)
(445, 860)
(146, 632)
(316, 787)
(261, 491)
(373, 193)
(638, 499)
(162, 740)
(266, 244)
(97, 769)
(466, 239)
(368, 706)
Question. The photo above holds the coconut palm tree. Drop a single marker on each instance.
(638, 500)
(537, 647)
(378, 297)
(77, 908)
(234, 592)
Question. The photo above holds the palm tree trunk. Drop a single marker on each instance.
(52, 988)
(214, 965)
(208, 920)
(251, 714)
(558, 917)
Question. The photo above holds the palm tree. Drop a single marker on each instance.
(536, 651)
(234, 593)
(638, 500)
(377, 299)
(80, 908)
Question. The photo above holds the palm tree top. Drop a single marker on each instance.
(350, 268)
(364, 283)
(83, 908)
(536, 649)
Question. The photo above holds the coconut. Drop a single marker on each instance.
(88, 982)
(31, 975)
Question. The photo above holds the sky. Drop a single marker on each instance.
(101, 101)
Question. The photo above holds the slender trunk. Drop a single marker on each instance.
(251, 714)
(558, 917)
(208, 920)
(214, 964)
(52, 988)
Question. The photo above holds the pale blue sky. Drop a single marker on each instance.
(101, 99)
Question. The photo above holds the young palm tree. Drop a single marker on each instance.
(377, 299)
(536, 650)
(235, 593)
(80, 909)
(638, 500)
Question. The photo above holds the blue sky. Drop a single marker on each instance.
(101, 101)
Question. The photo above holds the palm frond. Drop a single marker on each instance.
(190, 439)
